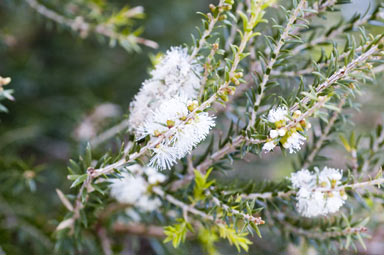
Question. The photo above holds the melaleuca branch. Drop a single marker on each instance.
(341, 73)
(275, 54)
(94, 173)
(323, 235)
(161, 168)
(287, 194)
(80, 25)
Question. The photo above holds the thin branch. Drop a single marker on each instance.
(208, 31)
(140, 230)
(231, 147)
(276, 52)
(207, 68)
(287, 194)
(80, 25)
(105, 242)
(181, 205)
(323, 235)
(255, 68)
(125, 123)
(327, 38)
(323, 137)
(234, 27)
(95, 173)
(248, 217)
(309, 70)
(268, 195)
(341, 73)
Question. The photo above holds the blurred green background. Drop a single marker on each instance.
(59, 79)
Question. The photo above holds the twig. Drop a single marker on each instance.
(255, 68)
(275, 55)
(94, 173)
(339, 74)
(181, 205)
(80, 25)
(281, 194)
(328, 38)
(251, 218)
(140, 230)
(268, 195)
(324, 135)
(231, 147)
(208, 31)
(105, 242)
(207, 68)
(232, 34)
(324, 235)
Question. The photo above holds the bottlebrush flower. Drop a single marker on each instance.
(188, 133)
(318, 192)
(269, 146)
(293, 142)
(175, 75)
(289, 138)
(132, 188)
(278, 115)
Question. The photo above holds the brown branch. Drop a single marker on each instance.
(105, 241)
(325, 235)
(140, 230)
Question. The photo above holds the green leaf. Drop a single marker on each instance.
(177, 233)
(201, 184)
(234, 238)
(345, 143)
(79, 180)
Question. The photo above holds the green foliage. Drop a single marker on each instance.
(177, 233)
(201, 184)
(254, 58)
(208, 238)
(234, 238)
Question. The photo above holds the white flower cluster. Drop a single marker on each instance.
(166, 101)
(291, 139)
(319, 192)
(175, 75)
(132, 188)
(189, 133)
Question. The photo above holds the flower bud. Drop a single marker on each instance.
(4, 81)
(192, 105)
(170, 123)
(212, 7)
(296, 114)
